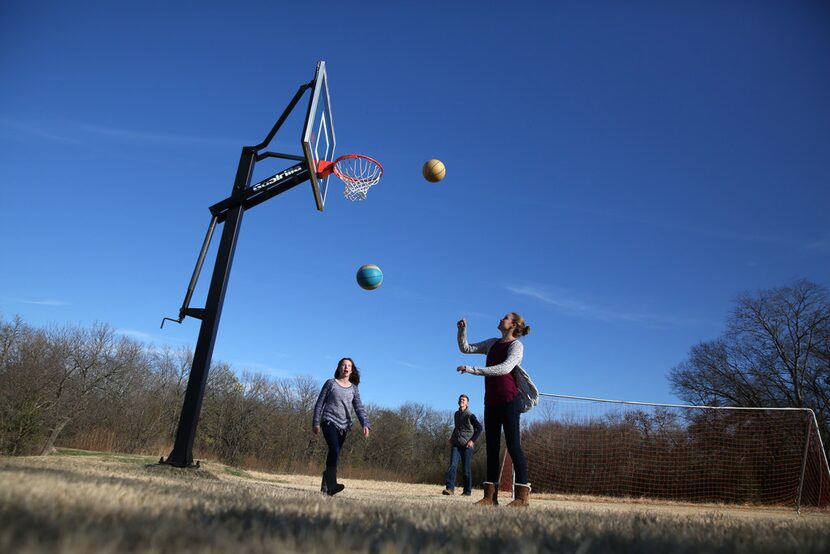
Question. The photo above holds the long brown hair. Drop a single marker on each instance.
(522, 328)
(354, 376)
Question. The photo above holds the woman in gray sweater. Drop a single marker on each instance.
(333, 416)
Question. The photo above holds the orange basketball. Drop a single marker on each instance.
(434, 171)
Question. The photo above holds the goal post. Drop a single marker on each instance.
(701, 454)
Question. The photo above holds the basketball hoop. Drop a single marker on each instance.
(358, 172)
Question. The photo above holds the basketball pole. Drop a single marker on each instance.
(228, 211)
(182, 454)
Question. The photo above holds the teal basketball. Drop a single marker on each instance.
(369, 277)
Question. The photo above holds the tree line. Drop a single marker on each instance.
(93, 388)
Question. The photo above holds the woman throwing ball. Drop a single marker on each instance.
(508, 392)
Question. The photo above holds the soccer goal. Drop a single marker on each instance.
(704, 454)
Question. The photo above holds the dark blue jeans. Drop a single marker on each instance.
(466, 456)
(334, 439)
(506, 416)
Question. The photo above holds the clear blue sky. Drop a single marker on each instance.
(616, 173)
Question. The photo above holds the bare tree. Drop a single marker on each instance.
(774, 353)
(24, 355)
(86, 362)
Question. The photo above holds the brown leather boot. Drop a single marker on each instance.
(491, 495)
(521, 496)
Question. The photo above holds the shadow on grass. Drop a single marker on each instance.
(262, 529)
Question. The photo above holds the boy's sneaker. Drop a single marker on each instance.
(448, 492)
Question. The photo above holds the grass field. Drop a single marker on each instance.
(79, 502)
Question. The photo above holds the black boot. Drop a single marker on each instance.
(323, 488)
(330, 477)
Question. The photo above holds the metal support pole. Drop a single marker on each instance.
(284, 116)
(182, 454)
(825, 474)
(803, 467)
(185, 310)
(198, 269)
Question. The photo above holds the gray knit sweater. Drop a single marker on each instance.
(333, 405)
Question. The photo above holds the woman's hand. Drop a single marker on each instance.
(365, 432)
(462, 323)
(315, 429)
(461, 369)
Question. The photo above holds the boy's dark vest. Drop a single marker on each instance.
(463, 428)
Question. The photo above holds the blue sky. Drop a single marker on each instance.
(615, 173)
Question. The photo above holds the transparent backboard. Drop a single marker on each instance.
(318, 134)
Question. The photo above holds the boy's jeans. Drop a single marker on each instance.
(466, 456)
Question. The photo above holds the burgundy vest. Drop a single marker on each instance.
(500, 389)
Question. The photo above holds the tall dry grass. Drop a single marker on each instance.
(111, 503)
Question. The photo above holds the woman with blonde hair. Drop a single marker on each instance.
(508, 392)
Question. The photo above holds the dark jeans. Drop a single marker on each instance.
(334, 439)
(507, 416)
(466, 456)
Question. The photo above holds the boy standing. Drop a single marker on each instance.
(466, 433)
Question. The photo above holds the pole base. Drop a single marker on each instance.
(167, 462)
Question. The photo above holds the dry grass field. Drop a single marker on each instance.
(79, 502)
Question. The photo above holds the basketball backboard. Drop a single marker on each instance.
(318, 134)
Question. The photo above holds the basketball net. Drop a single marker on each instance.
(358, 172)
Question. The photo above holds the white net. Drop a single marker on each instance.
(359, 173)
(591, 446)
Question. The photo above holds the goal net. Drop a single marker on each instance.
(592, 446)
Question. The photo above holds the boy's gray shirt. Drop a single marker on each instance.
(467, 428)
(333, 405)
